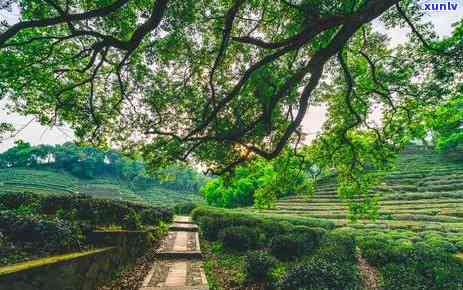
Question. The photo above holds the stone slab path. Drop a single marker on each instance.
(179, 266)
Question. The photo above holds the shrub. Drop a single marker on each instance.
(381, 250)
(273, 228)
(320, 273)
(259, 266)
(339, 245)
(14, 200)
(151, 216)
(435, 246)
(55, 234)
(266, 221)
(102, 211)
(185, 208)
(237, 219)
(167, 215)
(132, 221)
(429, 273)
(311, 237)
(210, 227)
(50, 204)
(286, 247)
(400, 277)
(239, 237)
(459, 246)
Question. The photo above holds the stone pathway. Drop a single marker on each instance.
(179, 266)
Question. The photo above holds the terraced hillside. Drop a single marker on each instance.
(424, 192)
(51, 182)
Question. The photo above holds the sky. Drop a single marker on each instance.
(31, 131)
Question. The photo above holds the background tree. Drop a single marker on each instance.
(261, 182)
(220, 81)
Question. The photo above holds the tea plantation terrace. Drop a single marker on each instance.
(41, 181)
(423, 192)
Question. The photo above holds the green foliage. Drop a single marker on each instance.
(132, 221)
(339, 244)
(240, 238)
(221, 92)
(34, 225)
(380, 249)
(287, 247)
(333, 266)
(85, 208)
(263, 110)
(90, 163)
(270, 224)
(447, 123)
(210, 227)
(321, 273)
(16, 200)
(5, 130)
(260, 183)
(259, 266)
(310, 237)
(427, 263)
(50, 234)
(151, 216)
(184, 208)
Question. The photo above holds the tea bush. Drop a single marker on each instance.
(210, 227)
(84, 208)
(259, 266)
(321, 273)
(49, 234)
(286, 247)
(426, 264)
(15, 200)
(310, 237)
(132, 221)
(185, 208)
(239, 238)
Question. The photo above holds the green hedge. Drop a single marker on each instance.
(259, 266)
(427, 263)
(55, 234)
(82, 207)
(239, 238)
(331, 267)
(252, 219)
(185, 208)
(242, 231)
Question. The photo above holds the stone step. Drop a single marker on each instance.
(179, 265)
(182, 227)
(182, 219)
(180, 245)
(176, 275)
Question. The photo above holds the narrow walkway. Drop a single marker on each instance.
(179, 266)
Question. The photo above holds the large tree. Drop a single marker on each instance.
(223, 80)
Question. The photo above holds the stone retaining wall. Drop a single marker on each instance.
(79, 271)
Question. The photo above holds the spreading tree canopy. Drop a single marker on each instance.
(221, 81)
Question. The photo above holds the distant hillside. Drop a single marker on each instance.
(423, 192)
(53, 182)
(70, 168)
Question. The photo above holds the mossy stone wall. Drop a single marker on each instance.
(79, 271)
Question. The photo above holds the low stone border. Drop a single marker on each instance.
(83, 270)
